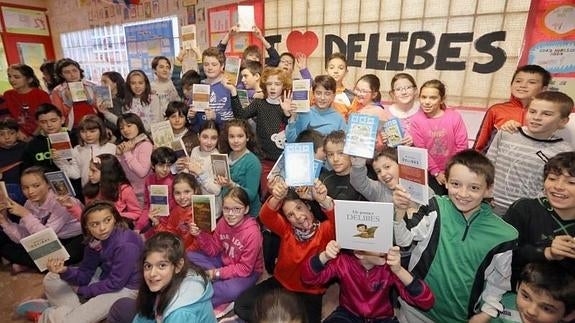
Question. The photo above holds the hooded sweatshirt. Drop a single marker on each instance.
(240, 247)
(192, 303)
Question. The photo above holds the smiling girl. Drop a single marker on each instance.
(140, 99)
(368, 98)
(405, 105)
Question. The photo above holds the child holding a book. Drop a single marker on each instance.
(250, 77)
(182, 213)
(232, 254)
(368, 98)
(252, 52)
(115, 81)
(405, 104)
(106, 273)
(336, 67)
(94, 140)
(41, 210)
(134, 151)
(238, 141)
(140, 99)
(458, 231)
(366, 280)
(176, 113)
(439, 130)
(322, 116)
(11, 151)
(302, 236)
(162, 85)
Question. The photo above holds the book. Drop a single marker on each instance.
(159, 199)
(413, 172)
(204, 207)
(4, 197)
(179, 148)
(103, 96)
(60, 183)
(244, 99)
(246, 18)
(77, 91)
(278, 169)
(188, 36)
(44, 245)
(162, 134)
(393, 131)
(61, 143)
(220, 165)
(201, 97)
(364, 225)
(232, 69)
(317, 166)
(361, 135)
(300, 95)
(299, 165)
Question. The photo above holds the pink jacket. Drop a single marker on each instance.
(240, 247)
(137, 165)
(365, 292)
(127, 204)
(443, 137)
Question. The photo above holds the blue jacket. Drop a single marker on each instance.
(192, 303)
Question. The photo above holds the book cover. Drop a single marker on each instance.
(413, 172)
(299, 165)
(4, 197)
(361, 135)
(159, 199)
(394, 132)
(278, 169)
(301, 94)
(204, 207)
(44, 245)
(201, 96)
(77, 91)
(188, 36)
(232, 69)
(179, 148)
(244, 99)
(103, 96)
(60, 142)
(162, 134)
(364, 225)
(60, 183)
(317, 166)
(220, 165)
(246, 18)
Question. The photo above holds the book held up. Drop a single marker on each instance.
(188, 36)
(162, 134)
(361, 135)
(77, 91)
(232, 69)
(300, 95)
(393, 131)
(60, 183)
(60, 142)
(220, 165)
(299, 164)
(44, 245)
(413, 172)
(159, 200)
(201, 97)
(103, 96)
(204, 207)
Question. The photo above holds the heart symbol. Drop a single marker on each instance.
(561, 20)
(304, 43)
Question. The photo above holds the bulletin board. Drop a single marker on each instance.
(145, 41)
(220, 20)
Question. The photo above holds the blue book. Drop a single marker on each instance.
(393, 131)
(361, 135)
(299, 164)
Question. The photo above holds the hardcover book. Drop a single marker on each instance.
(60, 183)
(44, 245)
(220, 165)
(201, 97)
(300, 95)
(179, 148)
(299, 164)
(361, 135)
(188, 37)
(205, 216)
(413, 172)
(364, 225)
(159, 199)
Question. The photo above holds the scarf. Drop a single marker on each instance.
(303, 236)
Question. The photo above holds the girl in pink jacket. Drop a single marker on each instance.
(232, 254)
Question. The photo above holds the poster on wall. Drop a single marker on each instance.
(4, 84)
(25, 21)
(146, 41)
(32, 54)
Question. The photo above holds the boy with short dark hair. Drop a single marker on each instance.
(11, 151)
(250, 78)
(162, 84)
(463, 251)
(527, 81)
(520, 157)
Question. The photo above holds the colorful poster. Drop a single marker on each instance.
(148, 40)
(4, 84)
(25, 21)
(32, 54)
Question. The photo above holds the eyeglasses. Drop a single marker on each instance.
(362, 91)
(232, 210)
(404, 89)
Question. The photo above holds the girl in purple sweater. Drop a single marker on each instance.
(232, 254)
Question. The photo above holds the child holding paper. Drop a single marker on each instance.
(365, 280)
(11, 151)
(176, 113)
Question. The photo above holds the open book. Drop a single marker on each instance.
(44, 245)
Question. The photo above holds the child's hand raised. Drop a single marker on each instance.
(286, 104)
(194, 166)
(357, 161)
(194, 230)
(393, 259)
(17, 209)
(319, 193)
(257, 32)
(331, 251)
(228, 85)
(279, 189)
(300, 60)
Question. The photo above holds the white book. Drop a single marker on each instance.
(244, 99)
(103, 96)
(361, 135)
(162, 134)
(44, 245)
(77, 91)
(278, 169)
(60, 183)
(60, 142)
(300, 95)
(159, 199)
(299, 164)
(413, 172)
(205, 216)
(363, 225)
(221, 165)
(232, 69)
(201, 97)
(179, 148)
(188, 36)
(246, 18)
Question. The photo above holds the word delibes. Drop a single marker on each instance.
(418, 55)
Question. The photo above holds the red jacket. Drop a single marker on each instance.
(177, 223)
(15, 101)
(496, 116)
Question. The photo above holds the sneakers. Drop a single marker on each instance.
(223, 309)
(32, 309)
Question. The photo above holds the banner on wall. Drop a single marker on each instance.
(550, 41)
(145, 41)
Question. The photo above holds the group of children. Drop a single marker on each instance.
(453, 260)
